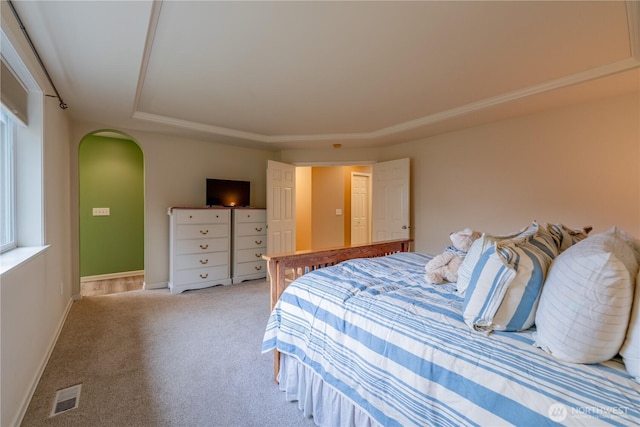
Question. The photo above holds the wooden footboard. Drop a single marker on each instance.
(285, 268)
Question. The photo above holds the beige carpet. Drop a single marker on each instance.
(148, 358)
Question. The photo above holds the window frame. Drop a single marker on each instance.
(8, 133)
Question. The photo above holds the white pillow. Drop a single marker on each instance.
(478, 247)
(630, 350)
(585, 304)
(627, 237)
(506, 282)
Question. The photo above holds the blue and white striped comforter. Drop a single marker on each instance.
(399, 349)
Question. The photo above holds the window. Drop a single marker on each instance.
(7, 182)
(22, 232)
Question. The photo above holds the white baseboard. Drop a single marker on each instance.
(84, 279)
(43, 364)
(161, 285)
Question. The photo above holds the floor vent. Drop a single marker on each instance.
(66, 399)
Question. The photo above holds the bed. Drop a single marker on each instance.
(367, 341)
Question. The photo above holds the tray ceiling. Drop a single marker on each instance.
(308, 74)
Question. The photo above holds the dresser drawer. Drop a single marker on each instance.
(209, 259)
(194, 246)
(251, 229)
(248, 242)
(200, 275)
(202, 216)
(200, 231)
(248, 255)
(250, 215)
(247, 268)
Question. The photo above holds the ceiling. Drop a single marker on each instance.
(280, 75)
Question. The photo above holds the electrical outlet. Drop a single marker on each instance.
(101, 212)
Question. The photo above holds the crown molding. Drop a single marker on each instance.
(582, 77)
(200, 127)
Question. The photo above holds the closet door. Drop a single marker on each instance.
(281, 207)
(360, 208)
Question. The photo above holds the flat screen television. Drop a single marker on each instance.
(224, 192)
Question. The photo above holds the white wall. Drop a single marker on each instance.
(36, 296)
(578, 165)
(175, 170)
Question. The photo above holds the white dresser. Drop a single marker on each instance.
(249, 244)
(199, 248)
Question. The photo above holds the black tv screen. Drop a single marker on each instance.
(224, 192)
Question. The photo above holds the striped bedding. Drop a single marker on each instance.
(398, 348)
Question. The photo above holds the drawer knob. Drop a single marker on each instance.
(190, 216)
(258, 228)
(258, 255)
(204, 261)
(258, 267)
(204, 231)
(258, 242)
(204, 276)
(204, 246)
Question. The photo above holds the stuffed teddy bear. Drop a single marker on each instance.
(443, 268)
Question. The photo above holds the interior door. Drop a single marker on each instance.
(390, 200)
(360, 208)
(281, 203)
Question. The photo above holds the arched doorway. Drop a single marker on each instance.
(111, 211)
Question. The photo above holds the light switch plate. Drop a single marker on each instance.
(101, 211)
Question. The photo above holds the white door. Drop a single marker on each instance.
(281, 203)
(391, 200)
(360, 208)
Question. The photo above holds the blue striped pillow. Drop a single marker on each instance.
(566, 237)
(475, 252)
(563, 236)
(506, 283)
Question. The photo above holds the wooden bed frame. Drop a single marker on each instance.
(285, 268)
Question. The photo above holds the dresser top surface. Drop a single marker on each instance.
(172, 208)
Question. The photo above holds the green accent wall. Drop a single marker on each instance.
(111, 176)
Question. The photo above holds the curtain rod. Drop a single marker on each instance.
(62, 104)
